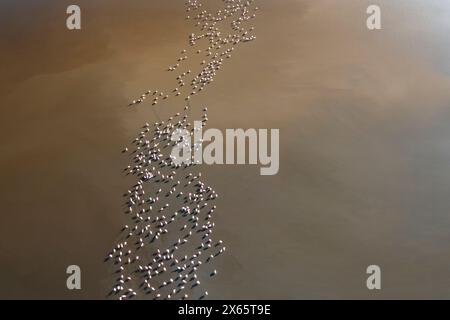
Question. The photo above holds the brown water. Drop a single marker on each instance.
(363, 117)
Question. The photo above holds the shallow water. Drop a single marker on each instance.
(364, 150)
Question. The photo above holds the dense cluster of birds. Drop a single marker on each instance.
(168, 244)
